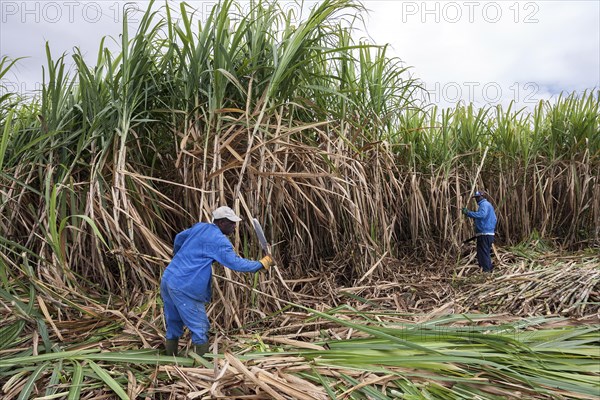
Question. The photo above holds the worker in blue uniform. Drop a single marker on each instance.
(485, 227)
(185, 286)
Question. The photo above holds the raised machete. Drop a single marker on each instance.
(261, 236)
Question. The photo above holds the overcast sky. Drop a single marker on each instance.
(485, 52)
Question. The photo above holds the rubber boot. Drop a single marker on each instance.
(200, 349)
(171, 346)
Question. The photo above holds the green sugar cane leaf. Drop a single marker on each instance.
(3, 272)
(6, 362)
(30, 310)
(106, 378)
(9, 333)
(148, 357)
(5, 135)
(52, 235)
(30, 384)
(379, 333)
(356, 297)
(54, 379)
(76, 382)
(87, 219)
(23, 310)
(9, 246)
(43, 331)
(326, 383)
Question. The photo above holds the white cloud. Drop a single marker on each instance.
(526, 50)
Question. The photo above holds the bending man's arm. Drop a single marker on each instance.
(227, 257)
(481, 213)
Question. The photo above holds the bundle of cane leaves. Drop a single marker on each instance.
(438, 360)
(452, 357)
(554, 284)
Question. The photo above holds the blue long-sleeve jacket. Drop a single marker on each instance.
(194, 251)
(485, 218)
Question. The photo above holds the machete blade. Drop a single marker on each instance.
(261, 235)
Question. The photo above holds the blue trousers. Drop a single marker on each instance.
(181, 310)
(484, 252)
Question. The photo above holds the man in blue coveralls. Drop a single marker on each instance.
(485, 226)
(186, 283)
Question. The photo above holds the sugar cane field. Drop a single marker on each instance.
(359, 186)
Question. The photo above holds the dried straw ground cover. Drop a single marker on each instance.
(359, 188)
(346, 346)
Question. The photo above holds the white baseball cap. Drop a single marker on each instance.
(225, 212)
